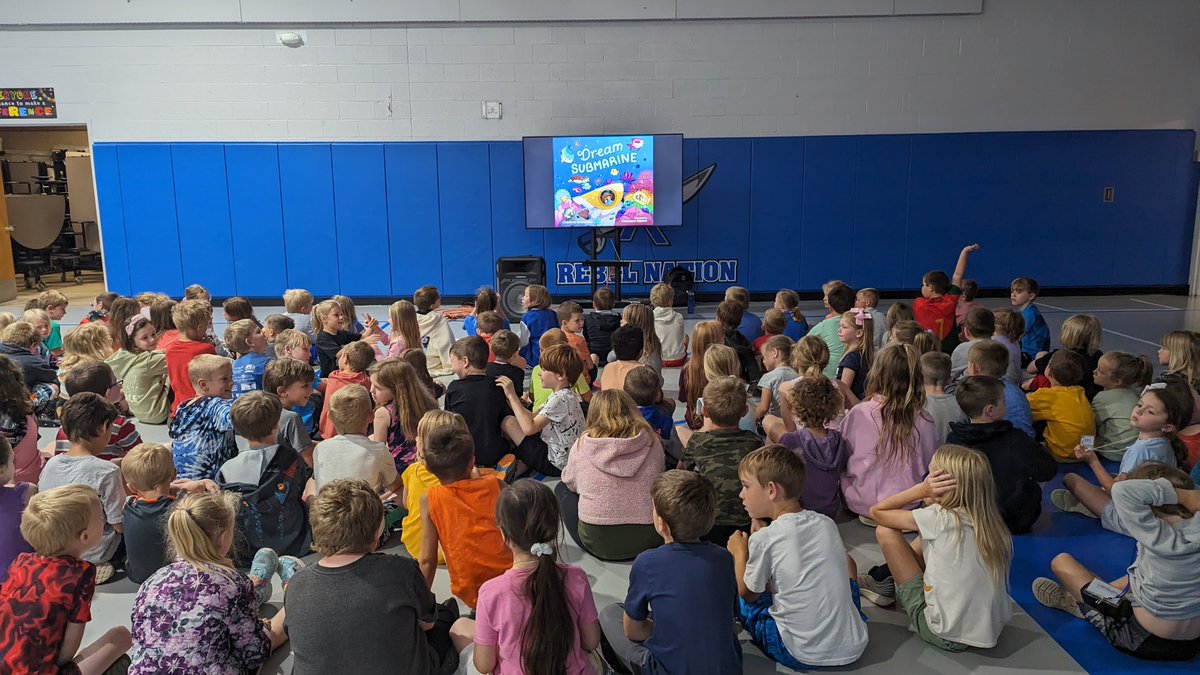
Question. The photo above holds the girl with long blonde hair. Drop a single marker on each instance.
(1180, 353)
(404, 333)
(617, 454)
(691, 379)
(953, 580)
(199, 613)
(891, 436)
(403, 400)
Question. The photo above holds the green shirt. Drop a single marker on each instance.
(827, 330)
(541, 394)
(716, 454)
(1112, 409)
(54, 339)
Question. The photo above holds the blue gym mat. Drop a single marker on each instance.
(1105, 553)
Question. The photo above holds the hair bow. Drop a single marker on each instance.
(1152, 387)
(541, 548)
(131, 324)
(860, 316)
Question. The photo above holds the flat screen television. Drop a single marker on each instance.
(603, 181)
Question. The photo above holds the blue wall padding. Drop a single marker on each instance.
(414, 223)
(380, 219)
(202, 208)
(256, 216)
(306, 188)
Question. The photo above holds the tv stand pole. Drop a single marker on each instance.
(616, 264)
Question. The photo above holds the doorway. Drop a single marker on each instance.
(51, 237)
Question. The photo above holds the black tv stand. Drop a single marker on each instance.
(596, 264)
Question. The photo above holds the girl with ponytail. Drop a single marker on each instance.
(539, 618)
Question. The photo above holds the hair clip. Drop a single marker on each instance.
(541, 549)
(1152, 387)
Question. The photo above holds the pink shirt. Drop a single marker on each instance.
(503, 610)
(868, 479)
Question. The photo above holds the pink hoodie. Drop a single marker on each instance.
(613, 478)
(868, 479)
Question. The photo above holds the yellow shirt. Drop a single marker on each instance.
(417, 481)
(1068, 416)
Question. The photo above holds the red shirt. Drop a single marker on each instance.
(336, 380)
(488, 340)
(40, 597)
(124, 436)
(179, 354)
(937, 314)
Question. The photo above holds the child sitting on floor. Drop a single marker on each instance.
(192, 318)
(644, 386)
(504, 346)
(538, 319)
(750, 326)
(357, 610)
(417, 479)
(14, 495)
(966, 303)
(935, 309)
(198, 613)
(329, 323)
(776, 357)
(978, 325)
(201, 430)
(952, 581)
(729, 315)
(350, 454)
(689, 585)
(486, 300)
(1157, 417)
(799, 593)
(990, 359)
(353, 360)
(1018, 462)
(402, 400)
(87, 420)
(715, 450)
(1120, 377)
(1009, 329)
(298, 306)
(935, 368)
(459, 516)
(817, 403)
(272, 326)
(98, 378)
(1063, 406)
(558, 423)
(475, 396)
(1023, 292)
(540, 614)
(570, 320)
(248, 346)
(868, 299)
(858, 349)
(809, 357)
(1081, 334)
(540, 394)
(668, 325)
(1157, 615)
(292, 345)
(45, 604)
(627, 343)
(142, 370)
(599, 324)
(773, 324)
(19, 342)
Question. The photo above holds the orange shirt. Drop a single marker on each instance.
(336, 380)
(585, 355)
(179, 354)
(464, 513)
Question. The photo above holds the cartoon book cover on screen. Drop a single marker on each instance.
(603, 181)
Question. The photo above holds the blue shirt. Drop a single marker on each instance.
(693, 591)
(750, 327)
(202, 437)
(1016, 408)
(1037, 333)
(661, 422)
(538, 321)
(248, 372)
(1148, 450)
(469, 325)
(795, 330)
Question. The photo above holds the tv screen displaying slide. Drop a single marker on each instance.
(603, 181)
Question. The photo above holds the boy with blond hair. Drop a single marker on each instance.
(202, 429)
(54, 303)
(868, 299)
(20, 342)
(46, 603)
(273, 325)
(417, 480)
(353, 361)
(459, 516)
(87, 419)
(192, 318)
(292, 345)
(991, 359)
(796, 601)
(351, 454)
(688, 583)
(668, 324)
(297, 305)
(715, 450)
(248, 345)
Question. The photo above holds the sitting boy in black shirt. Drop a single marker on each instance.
(504, 347)
(475, 396)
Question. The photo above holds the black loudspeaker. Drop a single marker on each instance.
(513, 276)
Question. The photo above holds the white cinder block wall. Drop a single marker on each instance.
(1021, 65)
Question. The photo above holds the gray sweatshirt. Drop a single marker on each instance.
(1162, 579)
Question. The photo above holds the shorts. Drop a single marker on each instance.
(911, 595)
(1125, 633)
(1110, 521)
(755, 617)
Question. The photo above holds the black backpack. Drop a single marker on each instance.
(272, 514)
(681, 280)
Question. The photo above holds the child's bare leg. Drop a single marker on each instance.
(101, 654)
(1089, 495)
(904, 560)
(685, 434)
(852, 567)
(512, 428)
(278, 634)
(462, 633)
(1072, 575)
(773, 427)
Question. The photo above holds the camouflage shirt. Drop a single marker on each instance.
(715, 454)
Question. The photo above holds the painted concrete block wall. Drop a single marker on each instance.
(1020, 65)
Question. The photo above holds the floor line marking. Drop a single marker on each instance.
(1130, 337)
(1158, 304)
(1061, 309)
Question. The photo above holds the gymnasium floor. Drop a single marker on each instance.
(1036, 639)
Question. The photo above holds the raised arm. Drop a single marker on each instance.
(961, 267)
(1133, 499)
(891, 512)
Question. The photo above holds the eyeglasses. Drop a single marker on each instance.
(116, 384)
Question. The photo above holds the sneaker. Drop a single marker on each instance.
(1051, 594)
(867, 521)
(264, 566)
(288, 566)
(104, 573)
(507, 467)
(1065, 501)
(881, 593)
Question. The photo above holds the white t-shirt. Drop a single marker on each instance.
(802, 558)
(772, 380)
(565, 413)
(353, 456)
(963, 603)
